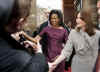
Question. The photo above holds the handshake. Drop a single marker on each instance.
(52, 66)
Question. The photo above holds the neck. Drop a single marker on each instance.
(55, 26)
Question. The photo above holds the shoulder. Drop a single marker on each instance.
(73, 31)
(73, 34)
(44, 24)
(46, 28)
(97, 32)
(63, 30)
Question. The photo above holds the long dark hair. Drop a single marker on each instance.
(60, 16)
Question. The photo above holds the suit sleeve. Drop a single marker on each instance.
(67, 51)
(36, 64)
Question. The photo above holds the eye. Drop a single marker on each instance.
(81, 18)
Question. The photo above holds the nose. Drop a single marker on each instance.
(53, 20)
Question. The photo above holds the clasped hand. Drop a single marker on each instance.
(52, 66)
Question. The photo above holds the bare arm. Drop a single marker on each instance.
(35, 40)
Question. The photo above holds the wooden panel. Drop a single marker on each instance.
(68, 1)
(69, 11)
(68, 5)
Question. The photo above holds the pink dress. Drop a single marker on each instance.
(55, 40)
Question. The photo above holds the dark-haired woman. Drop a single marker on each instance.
(56, 36)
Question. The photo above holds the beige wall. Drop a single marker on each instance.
(32, 20)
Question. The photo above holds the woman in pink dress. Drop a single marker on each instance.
(56, 37)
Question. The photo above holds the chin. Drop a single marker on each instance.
(54, 25)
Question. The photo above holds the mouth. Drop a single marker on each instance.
(54, 22)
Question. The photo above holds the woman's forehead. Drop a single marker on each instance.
(54, 15)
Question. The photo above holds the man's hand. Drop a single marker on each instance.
(36, 47)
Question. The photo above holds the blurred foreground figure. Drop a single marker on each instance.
(13, 56)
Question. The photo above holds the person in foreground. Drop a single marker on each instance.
(13, 56)
(84, 38)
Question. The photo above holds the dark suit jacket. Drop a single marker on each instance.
(13, 56)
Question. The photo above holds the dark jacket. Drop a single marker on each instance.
(13, 56)
(42, 26)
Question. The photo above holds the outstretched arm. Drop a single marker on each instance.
(66, 52)
(37, 38)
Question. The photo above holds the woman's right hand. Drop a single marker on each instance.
(36, 47)
(52, 66)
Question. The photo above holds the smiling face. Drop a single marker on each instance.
(80, 21)
(54, 20)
